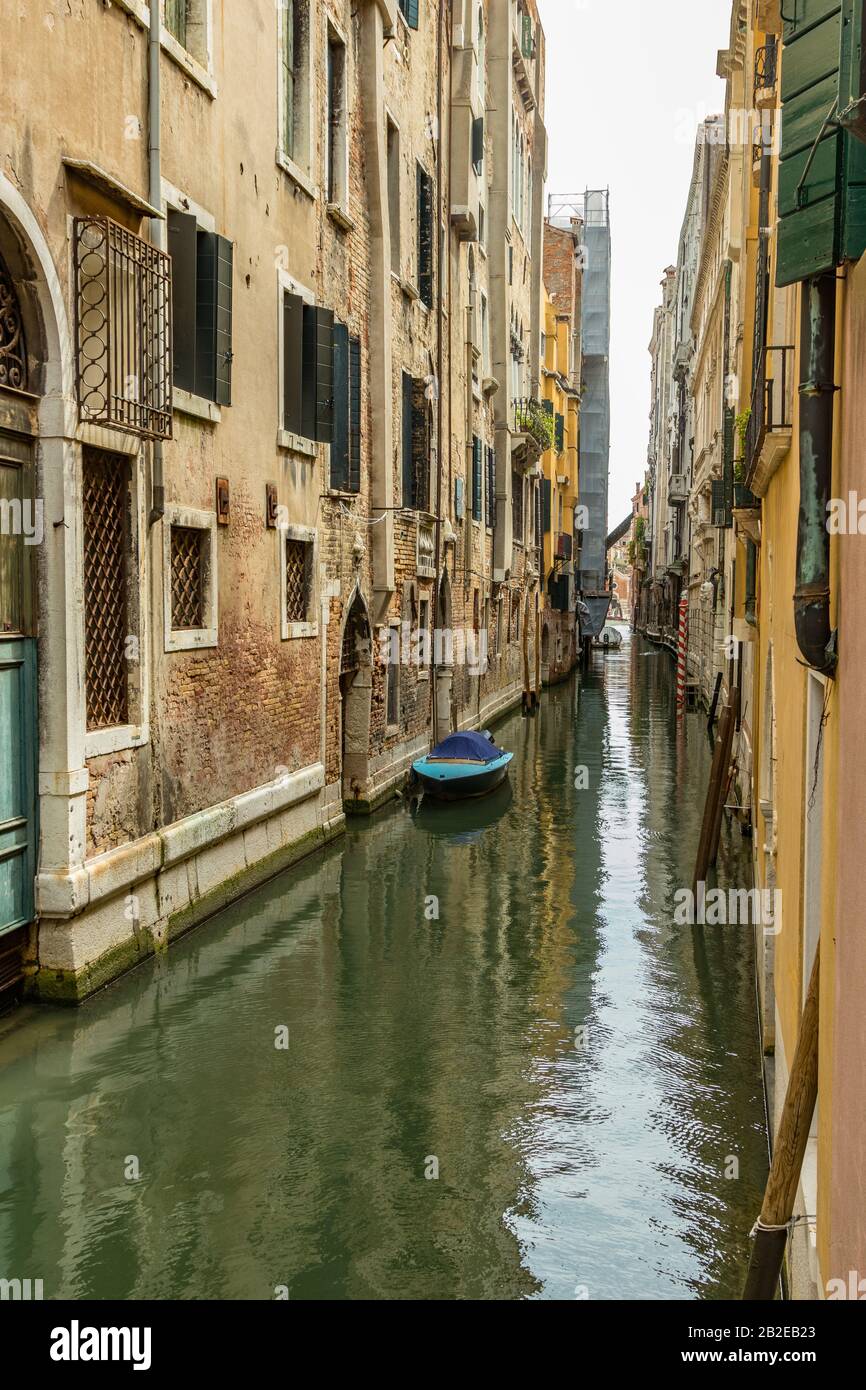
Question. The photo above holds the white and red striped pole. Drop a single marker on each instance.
(682, 645)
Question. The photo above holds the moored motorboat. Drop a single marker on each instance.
(610, 639)
(462, 765)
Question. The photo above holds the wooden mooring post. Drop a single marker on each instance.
(774, 1224)
(711, 826)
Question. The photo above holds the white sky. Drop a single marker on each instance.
(627, 83)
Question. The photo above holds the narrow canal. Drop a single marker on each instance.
(584, 1074)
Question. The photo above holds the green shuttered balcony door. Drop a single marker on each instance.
(822, 175)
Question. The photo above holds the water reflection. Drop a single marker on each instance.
(505, 1000)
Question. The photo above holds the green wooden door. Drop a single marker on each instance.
(20, 533)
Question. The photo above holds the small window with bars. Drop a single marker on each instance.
(187, 578)
(298, 555)
(189, 560)
(106, 523)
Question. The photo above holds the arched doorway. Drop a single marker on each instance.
(22, 525)
(356, 696)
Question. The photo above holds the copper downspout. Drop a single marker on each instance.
(816, 640)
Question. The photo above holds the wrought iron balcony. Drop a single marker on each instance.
(766, 65)
(531, 419)
(564, 547)
(772, 404)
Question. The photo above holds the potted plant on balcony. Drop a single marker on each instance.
(531, 418)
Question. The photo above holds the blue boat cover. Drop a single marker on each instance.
(473, 747)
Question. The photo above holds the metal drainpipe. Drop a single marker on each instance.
(444, 279)
(817, 362)
(157, 227)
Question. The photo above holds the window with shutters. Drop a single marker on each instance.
(307, 370)
(106, 510)
(517, 507)
(477, 480)
(337, 148)
(560, 433)
(490, 510)
(485, 337)
(416, 439)
(822, 168)
(190, 594)
(409, 11)
(298, 556)
(201, 297)
(478, 144)
(393, 139)
(296, 46)
(425, 222)
(345, 463)
(188, 22)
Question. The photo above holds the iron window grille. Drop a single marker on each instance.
(106, 513)
(299, 576)
(122, 329)
(187, 578)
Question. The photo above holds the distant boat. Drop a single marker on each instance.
(463, 765)
(609, 639)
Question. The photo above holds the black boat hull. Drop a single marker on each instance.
(463, 788)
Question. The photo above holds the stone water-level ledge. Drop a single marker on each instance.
(122, 906)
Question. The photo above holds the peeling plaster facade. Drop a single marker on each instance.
(250, 740)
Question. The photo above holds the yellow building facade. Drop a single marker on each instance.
(560, 463)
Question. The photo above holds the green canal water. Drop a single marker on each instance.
(581, 1071)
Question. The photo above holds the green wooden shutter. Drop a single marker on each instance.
(425, 235)
(408, 475)
(560, 433)
(546, 494)
(852, 70)
(728, 476)
(318, 374)
(477, 493)
(822, 173)
(293, 336)
(340, 440)
(183, 248)
(213, 358)
(527, 45)
(354, 415)
(410, 12)
(491, 489)
(478, 144)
